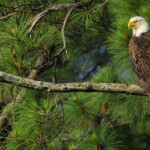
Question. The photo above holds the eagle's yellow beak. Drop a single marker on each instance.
(131, 24)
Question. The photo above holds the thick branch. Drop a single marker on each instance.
(71, 87)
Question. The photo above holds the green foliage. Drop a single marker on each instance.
(103, 138)
(38, 120)
(18, 45)
(80, 121)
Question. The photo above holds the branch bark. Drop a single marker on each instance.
(71, 87)
(59, 7)
(64, 48)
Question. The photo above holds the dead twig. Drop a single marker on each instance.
(54, 71)
(64, 48)
(9, 15)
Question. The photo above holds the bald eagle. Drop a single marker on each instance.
(139, 51)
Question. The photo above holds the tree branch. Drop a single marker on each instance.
(59, 7)
(71, 87)
(63, 34)
(9, 15)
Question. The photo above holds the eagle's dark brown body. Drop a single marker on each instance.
(139, 51)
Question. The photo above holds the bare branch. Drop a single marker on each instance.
(9, 15)
(16, 11)
(59, 7)
(71, 87)
(63, 34)
(54, 71)
(63, 39)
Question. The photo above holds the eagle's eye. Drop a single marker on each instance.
(135, 21)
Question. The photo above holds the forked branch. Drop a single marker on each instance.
(59, 7)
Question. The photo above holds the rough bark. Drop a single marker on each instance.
(72, 87)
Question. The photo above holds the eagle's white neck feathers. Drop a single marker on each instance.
(144, 27)
(139, 25)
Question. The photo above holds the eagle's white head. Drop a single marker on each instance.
(139, 25)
